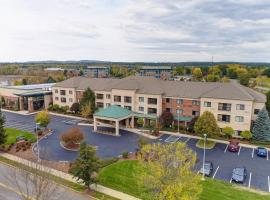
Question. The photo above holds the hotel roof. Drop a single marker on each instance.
(151, 85)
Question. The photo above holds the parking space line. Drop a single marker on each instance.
(250, 174)
(226, 148)
(231, 180)
(215, 172)
(268, 184)
(239, 151)
(252, 154)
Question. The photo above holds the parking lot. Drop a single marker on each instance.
(258, 169)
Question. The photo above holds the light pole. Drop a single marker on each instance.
(178, 116)
(204, 141)
(38, 158)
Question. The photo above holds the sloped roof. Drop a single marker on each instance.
(113, 112)
(151, 85)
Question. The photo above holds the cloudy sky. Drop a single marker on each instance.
(135, 30)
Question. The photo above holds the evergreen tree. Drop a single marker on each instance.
(261, 128)
(3, 136)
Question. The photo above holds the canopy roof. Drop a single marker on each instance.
(114, 112)
(183, 119)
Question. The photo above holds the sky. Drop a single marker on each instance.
(135, 30)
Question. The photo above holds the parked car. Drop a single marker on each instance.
(234, 146)
(239, 174)
(208, 168)
(261, 152)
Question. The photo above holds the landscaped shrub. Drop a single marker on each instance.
(228, 131)
(125, 154)
(246, 135)
(64, 109)
(140, 122)
(72, 136)
(75, 107)
(166, 119)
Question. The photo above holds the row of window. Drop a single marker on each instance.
(227, 118)
(225, 106)
(181, 101)
(63, 99)
(180, 112)
(63, 92)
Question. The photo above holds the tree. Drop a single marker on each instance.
(244, 79)
(197, 73)
(267, 104)
(261, 128)
(3, 135)
(24, 81)
(212, 78)
(43, 118)
(228, 131)
(140, 122)
(246, 135)
(75, 107)
(51, 80)
(72, 136)
(86, 111)
(166, 118)
(167, 172)
(207, 124)
(89, 99)
(86, 166)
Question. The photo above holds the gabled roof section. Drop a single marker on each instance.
(113, 112)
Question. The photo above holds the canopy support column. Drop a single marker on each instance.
(95, 124)
(117, 127)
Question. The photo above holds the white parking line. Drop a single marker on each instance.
(226, 148)
(239, 151)
(268, 181)
(250, 174)
(215, 172)
(252, 154)
(231, 180)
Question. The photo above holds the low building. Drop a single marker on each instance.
(160, 72)
(26, 97)
(97, 71)
(232, 104)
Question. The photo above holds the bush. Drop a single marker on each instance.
(140, 122)
(228, 131)
(166, 119)
(246, 135)
(125, 154)
(75, 108)
(64, 109)
(72, 136)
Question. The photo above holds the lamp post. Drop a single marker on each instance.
(204, 138)
(178, 116)
(38, 158)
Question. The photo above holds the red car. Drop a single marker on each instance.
(233, 146)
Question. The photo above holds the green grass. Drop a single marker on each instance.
(12, 133)
(122, 176)
(208, 145)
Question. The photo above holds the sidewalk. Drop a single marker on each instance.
(21, 112)
(98, 188)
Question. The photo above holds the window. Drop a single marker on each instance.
(70, 92)
(70, 100)
(56, 98)
(141, 99)
(195, 113)
(239, 119)
(224, 106)
(168, 100)
(56, 91)
(179, 101)
(117, 98)
(195, 103)
(127, 99)
(127, 107)
(100, 105)
(168, 110)
(108, 96)
(99, 96)
(63, 100)
(63, 92)
(179, 111)
(108, 104)
(141, 109)
(240, 107)
(207, 104)
(152, 111)
(224, 118)
(256, 111)
(152, 101)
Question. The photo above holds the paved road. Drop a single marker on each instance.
(9, 190)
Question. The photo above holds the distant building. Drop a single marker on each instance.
(53, 69)
(26, 97)
(97, 72)
(160, 72)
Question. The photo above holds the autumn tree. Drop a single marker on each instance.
(86, 111)
(207, 124)
(72, 136)
(43, 118)
(228, 131)
(167, 172)
(197, 73)
(88, 99)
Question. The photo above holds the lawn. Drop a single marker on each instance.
(122, 176)
(13, 133)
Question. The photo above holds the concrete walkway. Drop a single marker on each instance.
(98, 188)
